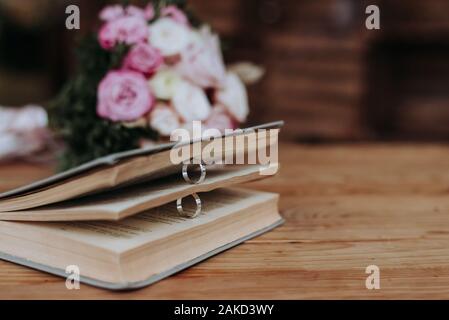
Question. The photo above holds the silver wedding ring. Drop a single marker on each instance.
(181, 211)
(185, 173)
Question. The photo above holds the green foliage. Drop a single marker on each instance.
(73, 113)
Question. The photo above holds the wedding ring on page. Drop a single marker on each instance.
(197, 212)
(185, 175)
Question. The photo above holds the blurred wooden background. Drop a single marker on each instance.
(329, 77)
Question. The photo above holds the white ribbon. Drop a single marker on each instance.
(23, 131)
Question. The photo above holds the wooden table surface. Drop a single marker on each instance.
(346, 207)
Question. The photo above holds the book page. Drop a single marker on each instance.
(133, 199)
(75, 173)
(155, 223)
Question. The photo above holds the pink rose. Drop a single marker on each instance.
(113, 12)
(133, 11)
(149, 12)
(124, 96)
(143, 58)
(202, 61)
(127, 29)
(219, 119)
(176, 14)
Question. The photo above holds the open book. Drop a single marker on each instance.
(144, 248)
(130, 167)
(116, 218)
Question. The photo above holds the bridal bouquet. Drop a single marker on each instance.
(145, 73)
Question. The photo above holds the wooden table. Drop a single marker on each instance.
(346, 207)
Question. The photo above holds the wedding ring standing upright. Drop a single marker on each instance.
(181, 211)
(186, 177)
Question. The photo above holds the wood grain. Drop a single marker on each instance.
(346, 207)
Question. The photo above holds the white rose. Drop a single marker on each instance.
(169, 36)
(191, 102)
(164, 84)
(164, 120)
(234, 97)
(202, 61)
(195, 38)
